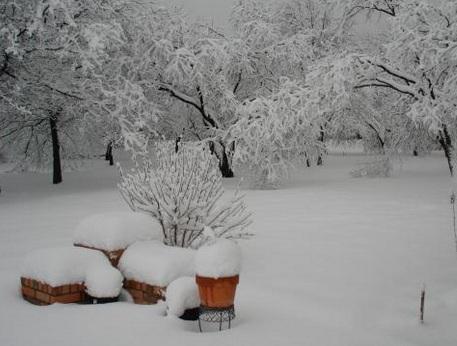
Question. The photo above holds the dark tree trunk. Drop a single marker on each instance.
(446, 144)
(109, 153)
(57, 167)
(320, 160)
(177, 141)
(224, 165)
(224, 162)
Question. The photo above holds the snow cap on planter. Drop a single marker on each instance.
(182, 294)
(218, 258)
(103, 282)
(155, 263)
(116, 230)
(62, 265)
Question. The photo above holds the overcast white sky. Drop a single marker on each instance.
(217, 10)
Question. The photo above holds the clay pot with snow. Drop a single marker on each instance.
(218, 265)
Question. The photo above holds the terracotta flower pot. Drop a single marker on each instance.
(217, 293)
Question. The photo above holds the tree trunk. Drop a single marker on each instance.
(177, 143)
(446, 144)
(109, 153)
(225, 165)
(57, 167)
(320, 160)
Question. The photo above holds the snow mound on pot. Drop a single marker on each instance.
(221, 258)
(156, 264)
(182, 294)
(116, 230)
(71, 265)
(103, 282)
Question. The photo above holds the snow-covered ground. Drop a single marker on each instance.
(335, 261)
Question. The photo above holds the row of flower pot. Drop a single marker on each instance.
(217, 263)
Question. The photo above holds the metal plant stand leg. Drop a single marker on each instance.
(216, 315)
(220, 321)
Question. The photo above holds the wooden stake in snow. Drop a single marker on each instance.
(422, 304)
(453, 219)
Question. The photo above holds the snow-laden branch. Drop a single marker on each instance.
(274, 132)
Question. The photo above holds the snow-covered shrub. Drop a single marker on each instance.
(219, 258)
(381, 166)
(183, 191)
(182, 294)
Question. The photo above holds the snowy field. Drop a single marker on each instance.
(335, 261)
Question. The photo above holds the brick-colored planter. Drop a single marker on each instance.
(217, 293)
(143, 293)
(40, 293)
(113, 256)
